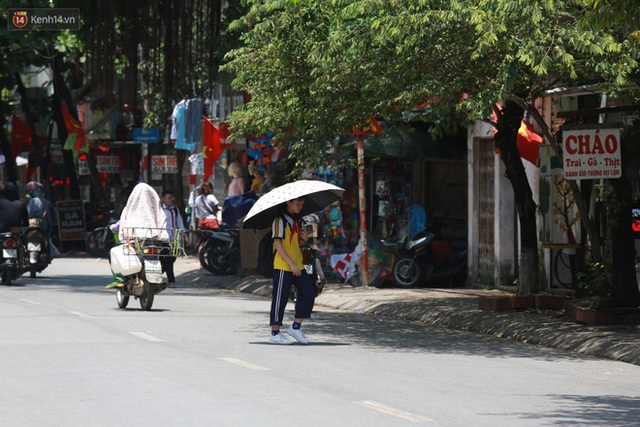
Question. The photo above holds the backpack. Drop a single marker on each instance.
(266, 253)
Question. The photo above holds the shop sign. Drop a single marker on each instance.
(56, 154)
(83, 167)
(108, 164)
(148, 136)
(591, 153)
(71, 224)
(164, 164)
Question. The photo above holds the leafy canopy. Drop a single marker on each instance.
(317, 68)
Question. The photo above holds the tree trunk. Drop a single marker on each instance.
(36, 155)
(623, 252)
(12, 175)
(64, 95)
(508, 125)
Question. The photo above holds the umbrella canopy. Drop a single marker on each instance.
(318, 195)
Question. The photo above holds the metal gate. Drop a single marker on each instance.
(486, 208)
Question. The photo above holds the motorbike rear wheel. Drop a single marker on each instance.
(407, 273)
(122, 299)
(146, 300)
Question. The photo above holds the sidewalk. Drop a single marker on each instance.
(453, 308)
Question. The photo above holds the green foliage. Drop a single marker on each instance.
(323, 67)
(609, 199)
(593, 280)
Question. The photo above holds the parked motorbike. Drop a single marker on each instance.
(37, 245)
(220, 253)
(140, 267)
(12, 256)
(100, 240)
(428, 258)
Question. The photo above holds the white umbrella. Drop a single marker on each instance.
(318, 195)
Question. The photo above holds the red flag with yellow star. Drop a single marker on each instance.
(20, 136)
(528, 142)
(75, 138)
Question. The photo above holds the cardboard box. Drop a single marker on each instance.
(249, 241)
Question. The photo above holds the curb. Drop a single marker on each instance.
(549, 328)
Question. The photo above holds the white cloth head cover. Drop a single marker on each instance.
(143, 217)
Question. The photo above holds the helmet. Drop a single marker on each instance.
(32, 185)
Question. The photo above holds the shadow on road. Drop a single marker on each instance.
(606, 410)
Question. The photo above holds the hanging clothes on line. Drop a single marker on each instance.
(186, 126)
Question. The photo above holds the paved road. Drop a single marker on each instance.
(199, 358)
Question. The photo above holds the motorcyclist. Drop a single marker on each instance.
(142, 217)
(39, 208)
(12, 212)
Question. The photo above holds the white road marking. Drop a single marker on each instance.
(30, 301)
(146, 336)
(394, 411)
(80, 314)
(243, 364)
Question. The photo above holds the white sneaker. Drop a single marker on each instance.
(279, 339)
(298, 334)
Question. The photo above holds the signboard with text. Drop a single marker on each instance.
(83, 167)
(108, 164)
(591, 153)
(71, 224)
(147, 136)
(164, 164)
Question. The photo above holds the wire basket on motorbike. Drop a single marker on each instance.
(153, 241)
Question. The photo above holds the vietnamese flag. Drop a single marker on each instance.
(211, 147)
(528, 142)
(75, 132)
(20, 136)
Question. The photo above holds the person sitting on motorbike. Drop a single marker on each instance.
(141, 218)
(41, 211)
(12, 212)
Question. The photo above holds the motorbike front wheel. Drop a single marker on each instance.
(215, 260)
(122, 299)
(407, 272)
(146, 300)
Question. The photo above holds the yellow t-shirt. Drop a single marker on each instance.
(290, 243)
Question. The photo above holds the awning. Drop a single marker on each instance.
(412, 142)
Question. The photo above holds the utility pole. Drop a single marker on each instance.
(362, 201)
